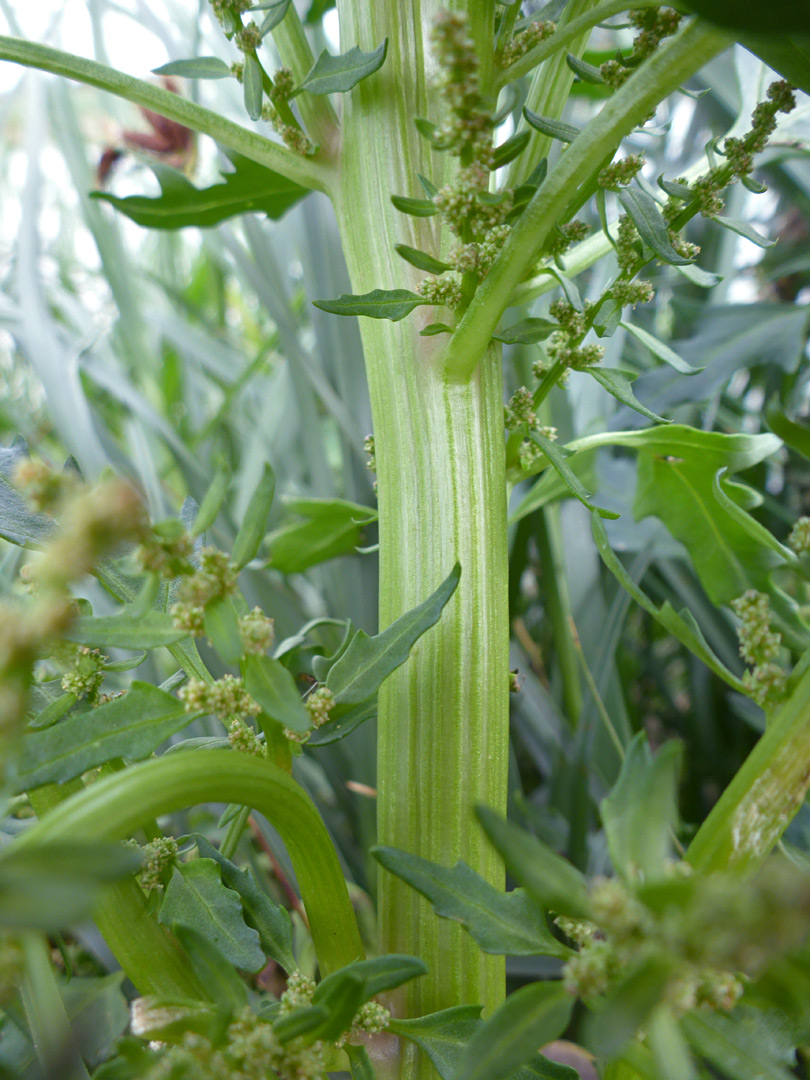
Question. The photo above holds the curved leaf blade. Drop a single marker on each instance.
(393, 304)
(198, 67)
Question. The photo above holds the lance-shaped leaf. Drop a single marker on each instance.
(641, 810)
(556, 459)
(646, 216)
(543, 1068)
(503, 923)
(271, 921)
(376, 975)
(50, 886)
(732, 1047)
(619, 383)
(197, 899)
(629, 1004)
(316, 530)
(555, 129)
(742, 228)
(369, 660)
(531, 1017)
(131, 726)
(300, 1023)
(254, 523)
(421, 260)
(553, 882)
(273, 686)
(211, 505)
(337, 74)
(797, 436)
(342, 722)
(393, 304)
(129, 629)
(253, 86)
(510, 149)
(442, 1035)
(659, 349)
(276, 10)
(415, 207)
(432, 329)
(360, 1063)
(585, 71)
(198, 67)
(250, 187)
(527, 331)
(704, 279)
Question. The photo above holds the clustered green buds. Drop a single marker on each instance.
(526, 39)
(565, 346)
(368, 448)
(620, 173)
(167, 551)
(799, 539)
(529, 453)
(319, 704)
(653, 24)
(245, 739)
(520, 410)
(257, 632)
(759, 647)
(225, 698)
(86, 673)
(159, 854)
(467, 131)
(214, 579)
(444, 291)
(44, 488)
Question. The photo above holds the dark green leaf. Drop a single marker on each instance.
(742, 228)
(542, 1068)
(555, 129)
(199, 67)
(421, 260)
(222, 630)
(641, 810)
(527, 331)
(377, 975)
(254, 523)
(629, 1005)
(53, 712)
(319, 529)
(132, 726)
(442, 1035)
(341, 994)
(505, 923)
(704, 279)
(393, 304)
(253, 86)
(776, 17)
(510, 149)
(734, 1050)
(50, 886)
(428, 186)
(436, 328)
(531, 1017)
(646, 216)
(273, 686)
(249, 188)
(585, 71)
(125, 665)
(415, 207)
(553, 882)
(126, 630)
(217, 975)
(301, 1022)
(342, 722)
(676, 189)
(659, 349)
(368, 661)
(618, 383)
(797, 436)
(538, 173)
(360, 1063)
(337, 74)
(270, 920)
(213, 499)
(556, 459)
(276, 11)
(197, 899)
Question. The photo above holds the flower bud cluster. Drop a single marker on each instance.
(167, 552)
(85, 675)
(159, 854)
(530, 453)
(799, 539)
(463, 208)
(214, 579)
(631, 292)
(44, 488)
(566, 235)
(519, 411)
(444, 290)
(291, 135)
(25, 633)
(653, 24)
(244, 738)
(565, 345)
(759, 647)
(368, 448)
(257, 632)
(469, 125)
(628, 244)
(319, 704)
(224, 698)
(621, 172)
(526, 39)
(249, 38)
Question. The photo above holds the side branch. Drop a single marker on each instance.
(305, 171)
(674, 62)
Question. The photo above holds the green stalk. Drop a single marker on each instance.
(443, 716)
(550, 548)
(114, 807)
(319, 117)
(307, 171)
(759, 803)
(45, 1012)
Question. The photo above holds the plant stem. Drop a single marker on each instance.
(555, 589)
(45, 1012)
(307, 171)
(318, 115)
(115, 806)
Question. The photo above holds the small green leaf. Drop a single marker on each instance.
(659, 349)
(428, 186)
(375, 976)
(434, 328)
(628, 1005)
(341, 994)
(249, 188)
(132, 726)
(527, 331)
(53, 712)
(253, 86)
(442, 1035)
(415, 207)
(337, 74)
(618, 383)
(641, 810)
(217, 975)
(531, 1017)
(393, 304)
(273, 686)
(538, 173)
(254, 523)
(502, 923)
(556, 459)
(704, 279)
(129, 664)
(213, 499)
(271, 921)
(510, 149)
(585, 71)
(199, 67)
(421, 260)
(126, 630)
(555, 129)
(553, 882)
(568, 287)
(301, 1022)
(342, 722)
(644, 212)
(222, 630)
(276, 11)
(676, 189)
(368, 661)
(316, 530)
(360, 1063)
(742, 228)
(196, 898)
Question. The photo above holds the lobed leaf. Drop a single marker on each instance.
(321, 529)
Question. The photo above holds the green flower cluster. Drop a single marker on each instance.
(257, 632)
(158, 855)
(85, 675)
(526, 39)
(759, 647)
(226, 697)
(214, 579)
(653, 24)
(799, 539)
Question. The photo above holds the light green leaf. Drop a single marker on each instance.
(342, 722)
(378, 974)
(217, 975)
(442, 1035)
(555, 129)
(126, 630)
(368, 661)
(393, 304)
(337, 74)
(527, 331)
(271, 921)
(659, 349)
(644, 212)
(641, 810)
(704, 279)
(619, 383)
(198, 67)
(797, 436)
(213, 499)
(755, 529)
(308, 1020)
(249, 188)
(743, 228)
(276, 11)
(273, 686)
(415, 207)
(503, 923)
(436, 328)
(360, 1063)
(556, 459)
(510, 149)
(421, 260)
(315, 530)
(253, 86)
(222, 629)
(734, 1050)
(628, 1005)
(542, 1068)
(585, 71)
(196, 898)
(132, 726)
(531, 1017)
(254, 523)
